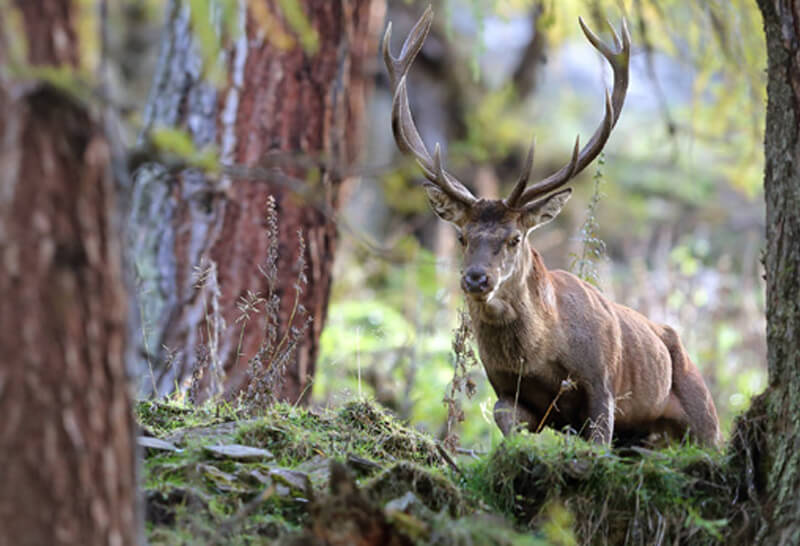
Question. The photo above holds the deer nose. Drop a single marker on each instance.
(475, 280)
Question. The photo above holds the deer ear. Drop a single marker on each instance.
(545, 209)
(445, 207)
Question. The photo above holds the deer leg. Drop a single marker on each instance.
(509, 417)
(601, 416)
(691, 392)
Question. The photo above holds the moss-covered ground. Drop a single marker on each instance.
(355, 475)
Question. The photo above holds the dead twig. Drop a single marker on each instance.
(567, 385)
(448, 459)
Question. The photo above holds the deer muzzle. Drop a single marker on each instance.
(475, 281)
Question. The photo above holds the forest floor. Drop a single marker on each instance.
(355, 475)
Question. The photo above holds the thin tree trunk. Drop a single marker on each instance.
(67, 466)
(282, 101)
(771, 429)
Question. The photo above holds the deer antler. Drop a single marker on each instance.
(618, 59)
(405, 131)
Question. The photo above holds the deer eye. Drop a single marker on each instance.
(462, 241)
(514, 241)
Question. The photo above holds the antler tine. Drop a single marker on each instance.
(398, 66)
(619, 59)
(572, 166)
(409, 142)
(405, 130)
(441, 178)
(598, 44)
(519, 187)
(614, 35)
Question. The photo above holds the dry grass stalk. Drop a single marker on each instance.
(463, 362)
(267, 369)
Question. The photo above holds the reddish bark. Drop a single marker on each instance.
(306, 106)
(67, 464)
(303, 104)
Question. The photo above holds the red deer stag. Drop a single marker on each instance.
(539, 330)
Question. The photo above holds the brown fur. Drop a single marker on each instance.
(632, 377)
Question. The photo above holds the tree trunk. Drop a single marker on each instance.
(67, 467)
(772, 427)
(295, 110)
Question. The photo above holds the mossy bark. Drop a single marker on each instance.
(774, 420)
(67, 456)
(281, 100)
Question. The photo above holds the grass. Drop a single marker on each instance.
(677, 495)
(530, 489)
(161, 417)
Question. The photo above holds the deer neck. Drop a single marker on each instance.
(526, 295)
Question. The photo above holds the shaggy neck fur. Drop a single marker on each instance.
(519, 324)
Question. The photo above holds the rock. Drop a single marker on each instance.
(238, 452)
(295, 480)
(152, 445)
(361, 465)
(221, 480)
(318, 471)
(222, 432)
(402, 504)
(259, 477)
(433, 491)
(287, 482)
(282, 491)
(408, 514)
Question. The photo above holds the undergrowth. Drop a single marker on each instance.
(679, 495)
(546, 488)
(159, 418)
(464, 361)
(266, 370)
(280, 335)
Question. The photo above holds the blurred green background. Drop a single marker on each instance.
(676, 231)
(671, 224)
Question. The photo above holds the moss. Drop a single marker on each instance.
(480, 530)
(188, 491)
(162, 417)
(434, 490)
(387, 437)
(679, 492)
(359, 427)
(530, 489)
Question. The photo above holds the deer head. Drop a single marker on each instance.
(492, 232)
